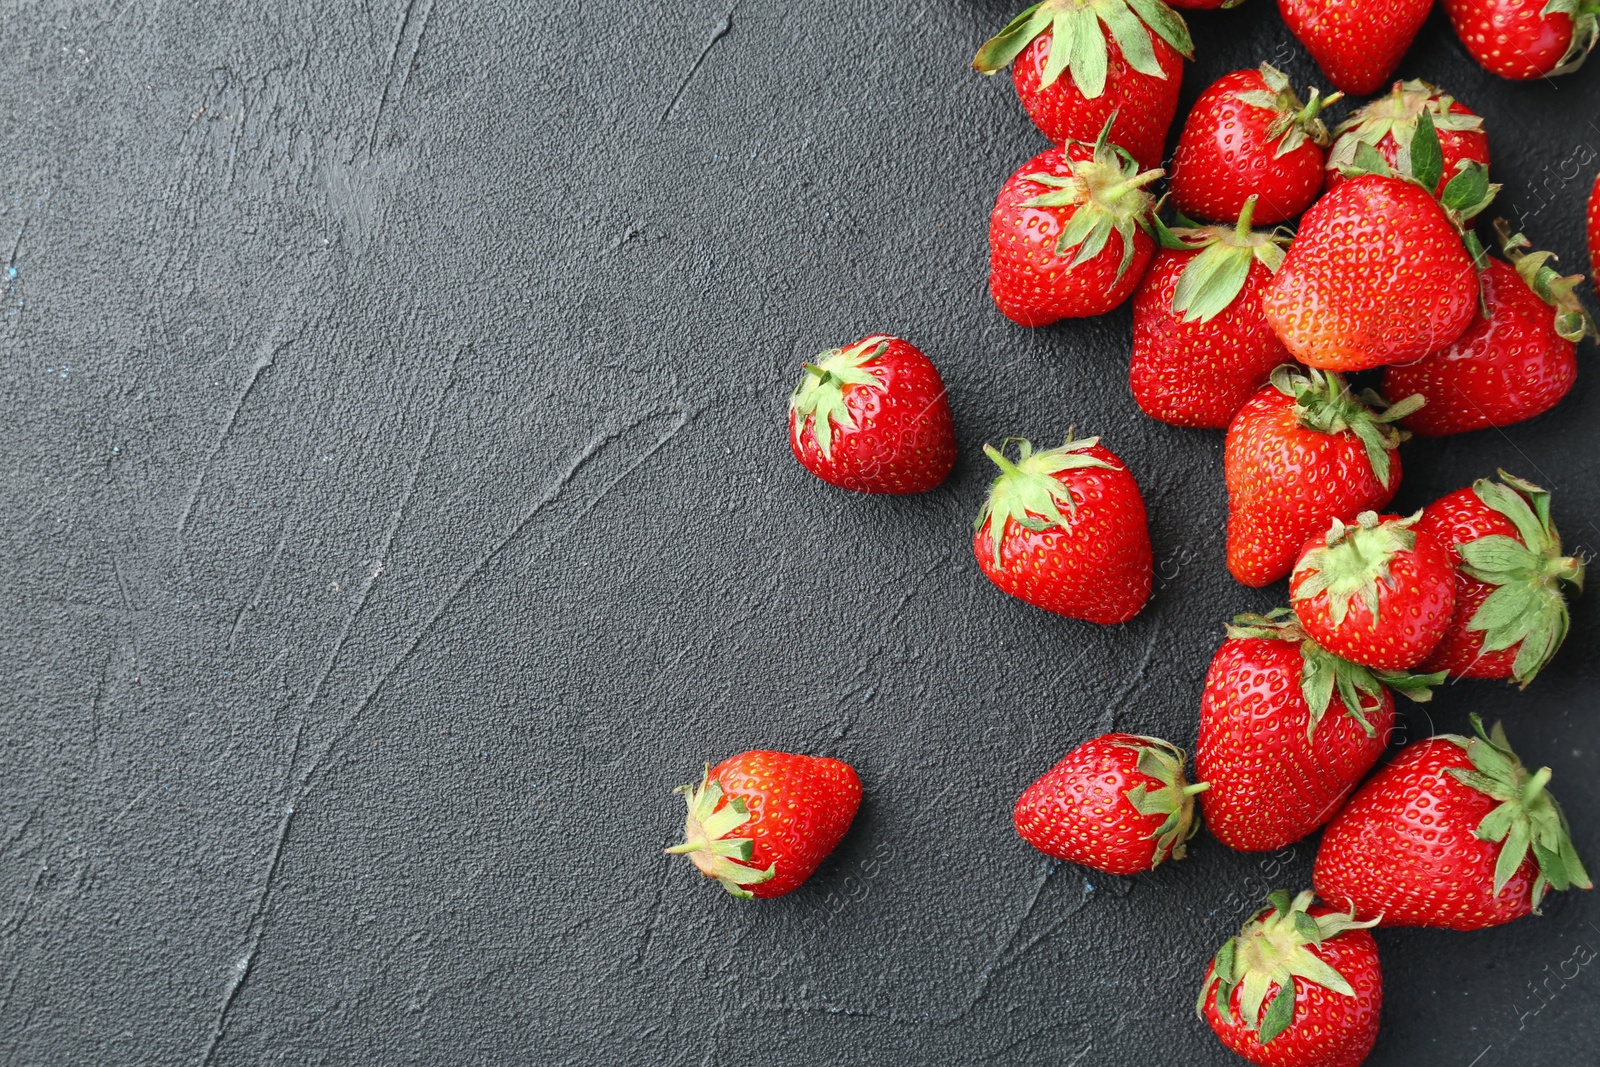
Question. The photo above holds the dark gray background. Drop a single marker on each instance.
(394, 435)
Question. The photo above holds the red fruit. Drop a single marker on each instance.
(1511, 606)
(1249, 135)
(1065, 530)
(1118, 803)
(1299, 987)
(1390, 122)
(1201, 346)
(760, 822)
(1287, 730)
(1303, 452)
(1051, 249)
(1454, 833)
(1119, 66)
(1594, 226)
(1379, 593)
(1525, 39)
(873, 417)
(1357, 43)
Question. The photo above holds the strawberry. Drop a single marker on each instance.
(1302, 452)
(1379, 592)
(1249, 135)
(1201, 347)
(1357, 43)
(789, 812)
(1065, 530)
(1511, 609)
(1514, 362)
(1125, 61)
(1050, 250)
(1299, 987)
(873, 417)
(1389, 123)
(1118, 803)
(1525, 39)
(1594, 226)
(1454, 833)
(1287, 730)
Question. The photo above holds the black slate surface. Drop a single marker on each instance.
(396, 506)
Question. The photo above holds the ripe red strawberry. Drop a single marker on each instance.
(1594, 226)
(1516, 363)
(1303, 452)
(1524, 39)
(1357, 43)
(1118, 803)
(873, 417)
(1119, 63)
(1249, 135)
(1065, 530)
(1388, 124)
(1287, 730)
(760, 822)
(1299, 987)
(1511, 608)
(1201, 346)
(1379, 592)
(1051, 253)
(1454, 833)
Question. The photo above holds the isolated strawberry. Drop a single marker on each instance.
(1070, 234)
(1120, 62)
(1299, 987)
(1525, 39)
(1517, 362)
(1357, 43)
(1065, 530)
(1389, 123)
(1454, 833)
(1118, 803)
(1249, 135)
(1378, 592)
(1512, 582)
(873, 417)
(1300, 453)
(760, 822)
(1287, 730)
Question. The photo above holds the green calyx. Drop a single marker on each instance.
(1109, 195)
(1274, 948)
(1215, 277)
(1174, 799)
(1294, 123)
(820, 394)
(1401, 115)
(1585, 15)
(1078, 39)
(1028, 491)
(706, 839)
(1528, 818)
(1529, 604)
(1353, 560)
(1572, 322)
(1322, 673)
(1324, 403)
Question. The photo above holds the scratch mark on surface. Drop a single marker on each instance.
(249, 606)
(267, 358)
(999, 959)
(717, 34)
(21, 914)
(1134, 682)
(16, 245)
(130, 806)
(655, 916)
(22, 828)
(394, 56)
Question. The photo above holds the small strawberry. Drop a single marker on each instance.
(873, 417)
(1594, 226)
(1302, 452)
(1118, 803)
(1525, 39)
(1249, 135)
(1051, 253)
(1511, 605)
(1357, 43)
(1516, 362)
(1454, 833)
(1389, 123)
(1287, 731)
(1379, 592)
(789, 812)
(1201, 346)
(1120, 63)
(1065, 530)
(1299, 987)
